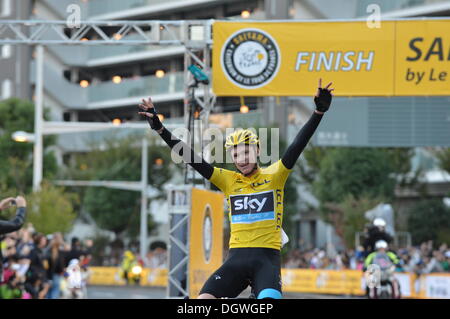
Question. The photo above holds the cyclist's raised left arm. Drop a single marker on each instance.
(322, 100)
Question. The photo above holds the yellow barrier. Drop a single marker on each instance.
(111, 276)
(156, 277)
(105, 276)
(336, 282)
(344, 282)
(433, 286)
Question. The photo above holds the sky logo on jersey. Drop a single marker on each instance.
(252, 208)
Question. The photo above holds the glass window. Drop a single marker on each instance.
(5, 8)
(6, 51)
(6, 89)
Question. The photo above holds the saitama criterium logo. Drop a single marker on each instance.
(207, 234)
(250, 58)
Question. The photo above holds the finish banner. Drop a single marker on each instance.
(401, 58)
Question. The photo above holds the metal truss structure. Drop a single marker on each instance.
(195, 36)
(191, 34)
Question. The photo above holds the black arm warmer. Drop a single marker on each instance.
(198, 163)
(296, 148)
(15, 224)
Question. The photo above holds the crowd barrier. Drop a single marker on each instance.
(156, 277)
(335, 282)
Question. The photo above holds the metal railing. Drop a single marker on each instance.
(148, 85)
(74, 96)
(98, 7)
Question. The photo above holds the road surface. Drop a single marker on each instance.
(136, 292)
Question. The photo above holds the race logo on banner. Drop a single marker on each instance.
(250, 58)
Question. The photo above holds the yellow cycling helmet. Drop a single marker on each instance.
(241, 137)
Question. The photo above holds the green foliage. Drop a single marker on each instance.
(350, 181)
(119, 159)
(443, 156)
(309, 167)
(51, 209)
(429, 220)
(112, 209)
(16, 159)
(348, 216)
(354, 171)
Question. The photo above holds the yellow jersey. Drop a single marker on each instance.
(255, 205)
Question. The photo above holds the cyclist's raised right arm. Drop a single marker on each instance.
(198, 163)
(189, 156)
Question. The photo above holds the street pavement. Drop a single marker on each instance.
(137, 292)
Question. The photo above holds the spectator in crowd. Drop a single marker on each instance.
(157, 258)
(38, 281)
(87, 251)
(75, 251)
(56, 264)
(11, 225)
(157, 255)
(419, 260)
(25, 243)
(34, 263)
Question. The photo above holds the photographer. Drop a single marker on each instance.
(14, 224)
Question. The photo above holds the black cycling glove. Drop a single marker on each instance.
(154, 122)
(323, 101)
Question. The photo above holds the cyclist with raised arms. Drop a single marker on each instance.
(255, 201)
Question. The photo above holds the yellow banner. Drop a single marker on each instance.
(422, 64)
(105, 276)
(287, 58)
(433, 286)
(206, 237)
(111, 276)
(315, 281)
(154, 277)
(323, 281)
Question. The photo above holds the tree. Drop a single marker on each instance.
(309, 166)
(348, 216)
(443, 156)
(429, 220)
(51, 210)
(357, 172)
(344, 179)
(16, 159)
(119, 159)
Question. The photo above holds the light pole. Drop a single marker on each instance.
(144, 201)
(38, 118)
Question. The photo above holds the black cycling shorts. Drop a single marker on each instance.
(258, 267)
